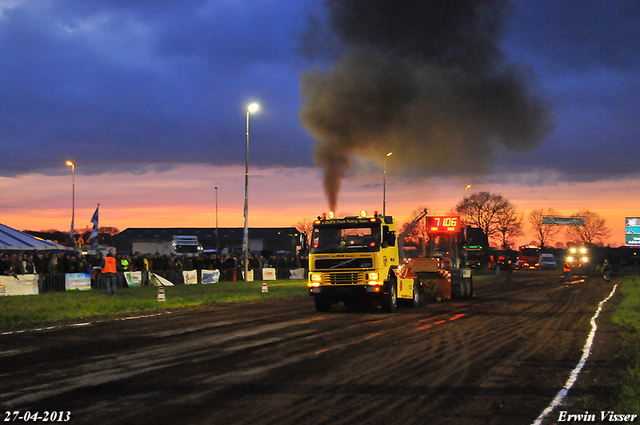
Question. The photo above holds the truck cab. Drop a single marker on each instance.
(186, 244)
(355, 259)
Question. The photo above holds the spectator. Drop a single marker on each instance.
(110, 274)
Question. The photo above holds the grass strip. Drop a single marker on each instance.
(25, 311)
(627, 315)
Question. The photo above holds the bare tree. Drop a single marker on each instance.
(544, 233)
(305, 226)
(111, 231)
(509, 226)
(481, 210)
(593, 231)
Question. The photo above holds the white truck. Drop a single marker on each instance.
(180, 244)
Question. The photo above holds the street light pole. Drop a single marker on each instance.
(384, 185)
(73, 199)
(465, 190)
(245, 241)
(217, 235)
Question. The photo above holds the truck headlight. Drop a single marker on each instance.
(314, 280)
(373, 278)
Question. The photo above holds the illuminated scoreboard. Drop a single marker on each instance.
(443, 224)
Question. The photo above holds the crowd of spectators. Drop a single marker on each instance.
(230, 266)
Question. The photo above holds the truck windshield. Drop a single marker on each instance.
(329, 239)
(187, 249)
(529, 252)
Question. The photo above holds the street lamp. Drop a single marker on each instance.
(465, 190)
(217, 236)
(73, 198)
(245, 241)
(384, 185)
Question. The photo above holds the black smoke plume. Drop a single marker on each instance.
(425, 80)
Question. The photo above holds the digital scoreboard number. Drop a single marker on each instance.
(443, 224)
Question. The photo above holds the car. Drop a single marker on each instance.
(547, 261)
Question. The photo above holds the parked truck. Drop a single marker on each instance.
(186, 244)
(180, 244)
(528, 257)
(358, 260)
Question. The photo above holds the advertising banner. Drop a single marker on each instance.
(24, 284)
(269, 274)
(157, 280)
(563, 221)
(297, 274)
(77, 281)
(632, 231)
(210, 276)
(190, 277)
(133, 279)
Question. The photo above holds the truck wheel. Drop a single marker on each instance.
(323, 303)
(389, 301)
(415, 302)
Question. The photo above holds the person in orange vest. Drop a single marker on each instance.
(109, 276)
(567, 271)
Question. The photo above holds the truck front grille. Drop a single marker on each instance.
(345, 278)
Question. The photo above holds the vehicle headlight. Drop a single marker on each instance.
(373, 278)
(570, 259)
(314, 280)
(585, 259)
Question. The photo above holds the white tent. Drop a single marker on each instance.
(14, 240)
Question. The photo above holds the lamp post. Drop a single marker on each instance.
(384, 185)
(217, 235)
(245, 241)
(73, 198)
(465, 190)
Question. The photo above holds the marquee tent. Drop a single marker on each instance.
(14, 240)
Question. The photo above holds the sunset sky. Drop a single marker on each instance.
(149, 100)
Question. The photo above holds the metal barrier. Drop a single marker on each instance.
(51, 283)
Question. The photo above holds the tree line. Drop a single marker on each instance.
(503, 224)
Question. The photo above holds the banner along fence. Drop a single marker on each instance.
(33, 284)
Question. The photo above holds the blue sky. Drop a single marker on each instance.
(121, 86)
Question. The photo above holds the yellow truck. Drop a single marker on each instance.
(357, 260)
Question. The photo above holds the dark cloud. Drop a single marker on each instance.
(115, 82)
(119, 84)
(578, 36)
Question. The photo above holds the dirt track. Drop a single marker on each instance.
(497, 359)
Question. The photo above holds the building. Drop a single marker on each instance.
(229, 239)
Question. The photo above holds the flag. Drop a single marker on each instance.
(94, 232)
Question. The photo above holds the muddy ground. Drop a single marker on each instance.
(499, 358)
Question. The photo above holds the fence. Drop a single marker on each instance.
(60, 282)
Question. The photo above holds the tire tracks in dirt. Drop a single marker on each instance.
(495, 359)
